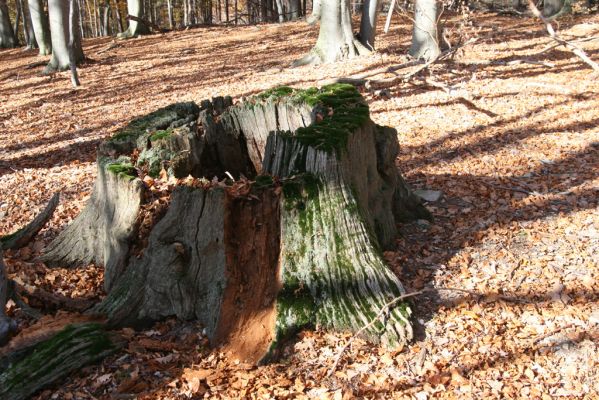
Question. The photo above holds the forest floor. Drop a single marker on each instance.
(512, 145)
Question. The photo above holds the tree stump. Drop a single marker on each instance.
(280, 209)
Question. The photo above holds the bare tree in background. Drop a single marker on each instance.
(7, 33)
(59, 28)
(425, 36)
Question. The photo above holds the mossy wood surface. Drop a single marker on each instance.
(72, 348)
(298, 244)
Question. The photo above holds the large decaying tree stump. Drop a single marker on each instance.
(281, 207)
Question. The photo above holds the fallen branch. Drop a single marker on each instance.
(553, 34)
(146, 23)
(24, 235)
(51, 300)
(462, 98)
(387, 308)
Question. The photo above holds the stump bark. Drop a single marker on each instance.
(289, 199)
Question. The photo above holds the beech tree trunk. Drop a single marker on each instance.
(135, 28)
(552, 7)
(39, 21)
(335, 39)
(425, 37)
(295, 244)
(7, 33)
(28, 27)
(315, 16)
(59, 28)
(370, 11)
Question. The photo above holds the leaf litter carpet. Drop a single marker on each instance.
(512, 145)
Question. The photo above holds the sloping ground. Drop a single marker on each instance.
(513, 146)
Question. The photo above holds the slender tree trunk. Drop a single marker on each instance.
(27, 28)
(425, 37)
(370, 12)
(59, 28)
(106, 19)
(90, 19)
(280, 10)
(227, 10)
(235, 11)
(335, 39)
(171, 20)
(119, 19)
(7, 33)
(72, 39)
(31, 34)
(39, 21)
(81, 10)
(19, 12)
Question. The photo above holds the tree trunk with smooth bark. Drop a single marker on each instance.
(370, 11)
(8, 38)
(39, 21)
(552, 8)
(135, 28)
(59, 29)
(293, 241)
(335, 39)
(425, 36)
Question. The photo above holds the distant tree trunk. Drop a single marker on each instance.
(552, 7)
(425, 37)
(106, 19)
(370, 12)
(134, 8)
(7, 33)
(171, 19)
(19, 11)
(59, 28)
(72, 39)
(80, 11)
(118, 17)
(28, 27)
(39, 21)
(335, 39)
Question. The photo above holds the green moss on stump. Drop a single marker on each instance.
(158, 120)
(339, 109)
(124, 170)
(159, 135)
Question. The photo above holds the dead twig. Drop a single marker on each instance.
(553, 34)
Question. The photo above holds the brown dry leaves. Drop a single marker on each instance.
(517, 165)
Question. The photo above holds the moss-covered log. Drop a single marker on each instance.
(72, 348)
(293, 240)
